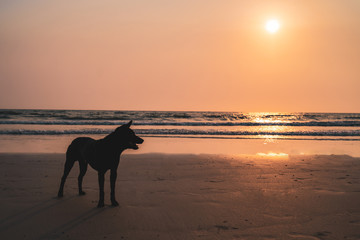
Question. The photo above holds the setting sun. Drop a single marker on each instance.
(272, 26)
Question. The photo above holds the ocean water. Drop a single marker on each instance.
(318, 126)
(18, 125)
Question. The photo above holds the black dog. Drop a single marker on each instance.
(102, 155)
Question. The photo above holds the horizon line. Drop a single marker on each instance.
(132, 110)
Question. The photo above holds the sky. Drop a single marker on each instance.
(184, 55)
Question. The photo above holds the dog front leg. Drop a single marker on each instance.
(113, 175)
(101, 189)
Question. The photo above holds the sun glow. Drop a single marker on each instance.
(272, 26)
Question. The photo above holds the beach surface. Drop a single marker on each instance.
(185, 196)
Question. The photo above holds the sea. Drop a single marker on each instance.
(22, 129)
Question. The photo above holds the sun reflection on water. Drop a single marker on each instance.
(272, 154)
(270, 118)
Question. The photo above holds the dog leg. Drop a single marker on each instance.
(83, 168)
(68, 165)
(101, 189)
(113, 175)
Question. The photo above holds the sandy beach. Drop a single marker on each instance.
(182, 196)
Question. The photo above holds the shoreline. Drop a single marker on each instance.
(59, 144)
(185, 196)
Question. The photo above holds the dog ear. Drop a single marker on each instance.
(128, 124)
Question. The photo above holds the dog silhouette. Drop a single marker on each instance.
(102, 155)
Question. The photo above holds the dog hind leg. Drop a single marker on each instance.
(68, 165)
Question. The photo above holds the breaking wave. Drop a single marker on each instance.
(353, 133)
(174, 123)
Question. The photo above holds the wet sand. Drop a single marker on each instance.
(182, 196)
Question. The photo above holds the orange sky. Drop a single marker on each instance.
(180, 55)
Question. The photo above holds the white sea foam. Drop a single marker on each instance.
(172, 123)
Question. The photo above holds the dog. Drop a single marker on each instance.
(102, 155)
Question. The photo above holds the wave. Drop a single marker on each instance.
(246, 133)
(100, 117)
(174, 123)
(185, 132)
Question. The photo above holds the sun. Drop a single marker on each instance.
(272, 26)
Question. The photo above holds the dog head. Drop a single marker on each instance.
(127, 136)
